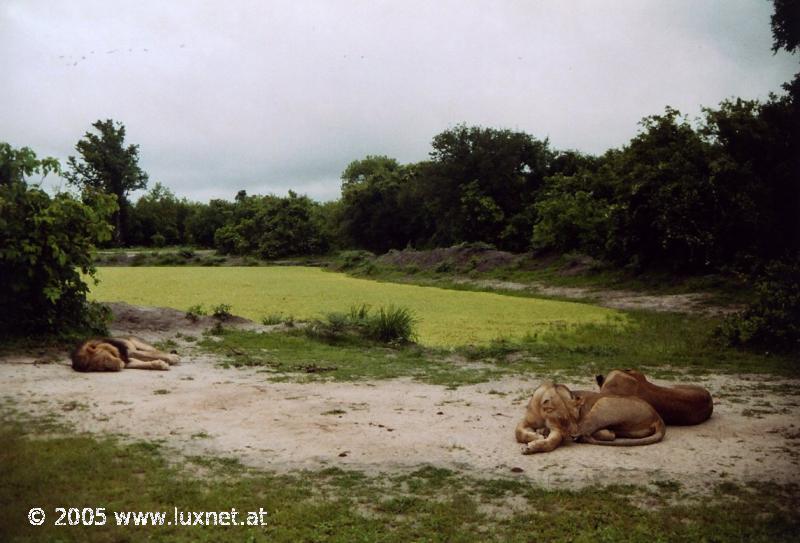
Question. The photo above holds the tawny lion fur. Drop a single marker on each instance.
(555, 414)
(677, 405)
(114, 354)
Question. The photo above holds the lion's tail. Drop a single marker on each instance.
(658, 434)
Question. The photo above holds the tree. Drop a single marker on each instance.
(109, 166)
(271, 227)
(374, 213)
(786, 25)
(160, 213)
(481, 183)
(46, 245)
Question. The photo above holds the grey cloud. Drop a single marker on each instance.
(269, 96)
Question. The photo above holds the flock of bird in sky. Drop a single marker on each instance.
(74, 60)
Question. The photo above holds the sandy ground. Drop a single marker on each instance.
(692, 302)
(200, 408)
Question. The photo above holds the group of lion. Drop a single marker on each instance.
(627, 410)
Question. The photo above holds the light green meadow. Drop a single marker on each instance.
(446, 318)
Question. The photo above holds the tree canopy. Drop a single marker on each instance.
(108, 165)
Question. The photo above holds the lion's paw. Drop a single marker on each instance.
(160, 365)
(172, 359)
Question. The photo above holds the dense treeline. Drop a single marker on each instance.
(721, 193)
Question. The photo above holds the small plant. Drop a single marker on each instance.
(391, 325)
(272, 320)
(195, 312)
(278, 318)
(222, 312)
(387, 325)
(187, 252)
(359, 313)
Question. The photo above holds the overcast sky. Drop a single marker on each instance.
(268, 96)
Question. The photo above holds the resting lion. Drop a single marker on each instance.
(555, 414)
(114, 354)
(678, 404)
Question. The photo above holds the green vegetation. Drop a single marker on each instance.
(195, 312)
(773, 320)
(662, 345)
(295, 356)
(46, 243)
(107, 166)
(446, 317)
(429, 504)
(393, 325)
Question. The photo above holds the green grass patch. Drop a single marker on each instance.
(430, 504)
(661, 344)
(445, 317)
(294, 356)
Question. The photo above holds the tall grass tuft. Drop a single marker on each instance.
(391, 325)
(386, 325)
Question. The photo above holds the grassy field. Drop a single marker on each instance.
(445, 317)
(46, 470)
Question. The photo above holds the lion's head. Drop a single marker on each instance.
(554, 406)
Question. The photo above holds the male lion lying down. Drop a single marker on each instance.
(678, 404)
(555, 413)
(113, 354)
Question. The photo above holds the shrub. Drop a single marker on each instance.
(387, 325)
(772, 321)
(272, 320)
(46, 244)
(222, 312)
(187, 252)
(347, 260)
(391, 325)
(195, 312)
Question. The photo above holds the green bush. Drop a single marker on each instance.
(387, 325)
(348, 260)
(222, 312)
(46, 250)
(772, 321)
(391, 325)
(195, 312)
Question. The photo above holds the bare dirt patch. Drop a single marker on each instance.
(693, 302)
(199, 408)
(467, 258)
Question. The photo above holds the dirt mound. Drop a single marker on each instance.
(134, 319)
(458, 258)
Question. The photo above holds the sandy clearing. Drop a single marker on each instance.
(401, 424)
